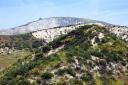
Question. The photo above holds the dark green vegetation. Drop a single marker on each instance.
(20, 41)
(74, 64)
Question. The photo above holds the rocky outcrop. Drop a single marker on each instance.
(120, 31)
(6, 50)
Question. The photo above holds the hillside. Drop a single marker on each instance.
(14, 48)
(89, 55)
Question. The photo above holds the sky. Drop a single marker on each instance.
(18, 12)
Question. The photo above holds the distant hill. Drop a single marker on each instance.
(46, 23)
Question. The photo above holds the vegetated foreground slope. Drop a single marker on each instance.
(89, 55)
(13, 48)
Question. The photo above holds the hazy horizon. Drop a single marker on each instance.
(19, 12)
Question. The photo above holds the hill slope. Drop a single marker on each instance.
(89, 55)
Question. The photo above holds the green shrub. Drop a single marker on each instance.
(38, 55)
(47, 75)
(37, 43)
(76, 82)
(86, 77)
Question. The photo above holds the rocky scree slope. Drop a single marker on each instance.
(91, 55)
(120, 31)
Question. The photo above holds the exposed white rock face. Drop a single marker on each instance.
(101, 35)
(50, 34)
(94, 44)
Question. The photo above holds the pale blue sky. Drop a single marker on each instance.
(18, 12)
